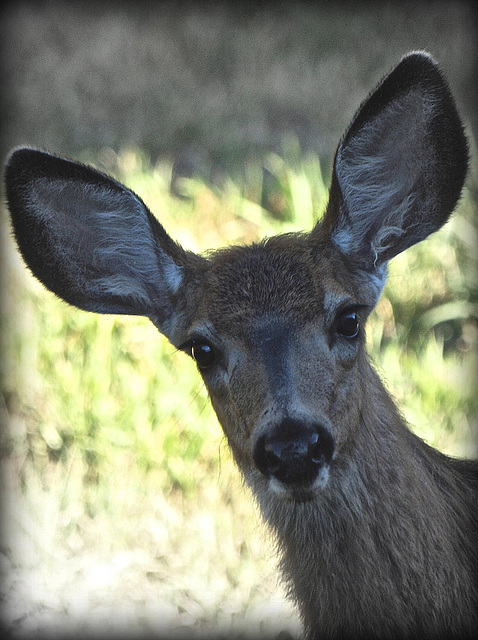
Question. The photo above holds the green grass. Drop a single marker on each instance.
(122, 505)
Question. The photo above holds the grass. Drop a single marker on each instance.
(123, 509)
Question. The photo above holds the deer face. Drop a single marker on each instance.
(278, 333)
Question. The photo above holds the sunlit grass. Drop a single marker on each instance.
(121, 492)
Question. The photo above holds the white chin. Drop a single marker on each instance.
(303, 493)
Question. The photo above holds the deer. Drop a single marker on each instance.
(376, 531)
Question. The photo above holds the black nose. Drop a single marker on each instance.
(294, 452)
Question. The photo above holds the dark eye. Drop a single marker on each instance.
(203, 353)
(348, 324)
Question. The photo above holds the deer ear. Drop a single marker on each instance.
(400, 167)
(91, 240)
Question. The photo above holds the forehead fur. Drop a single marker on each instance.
(284, 276)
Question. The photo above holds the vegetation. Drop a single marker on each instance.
(123, 509)
(217, 79)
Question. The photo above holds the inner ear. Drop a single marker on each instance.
(399, 168)
(92, 241)
(387, 178)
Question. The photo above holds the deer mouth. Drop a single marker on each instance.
(300, 492)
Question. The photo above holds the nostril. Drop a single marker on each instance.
(293, 452)
(272, 461)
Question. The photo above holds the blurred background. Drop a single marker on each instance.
(122, 512)
(218, 81)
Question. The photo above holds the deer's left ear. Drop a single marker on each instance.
(400, 167)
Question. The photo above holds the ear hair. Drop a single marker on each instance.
(399, 168)
(91, 240)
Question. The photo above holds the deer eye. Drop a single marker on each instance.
(348, 324)
(203, 354)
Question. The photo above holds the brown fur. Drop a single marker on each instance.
(388, 548)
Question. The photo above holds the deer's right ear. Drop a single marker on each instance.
(400, 167)
(91, 240)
